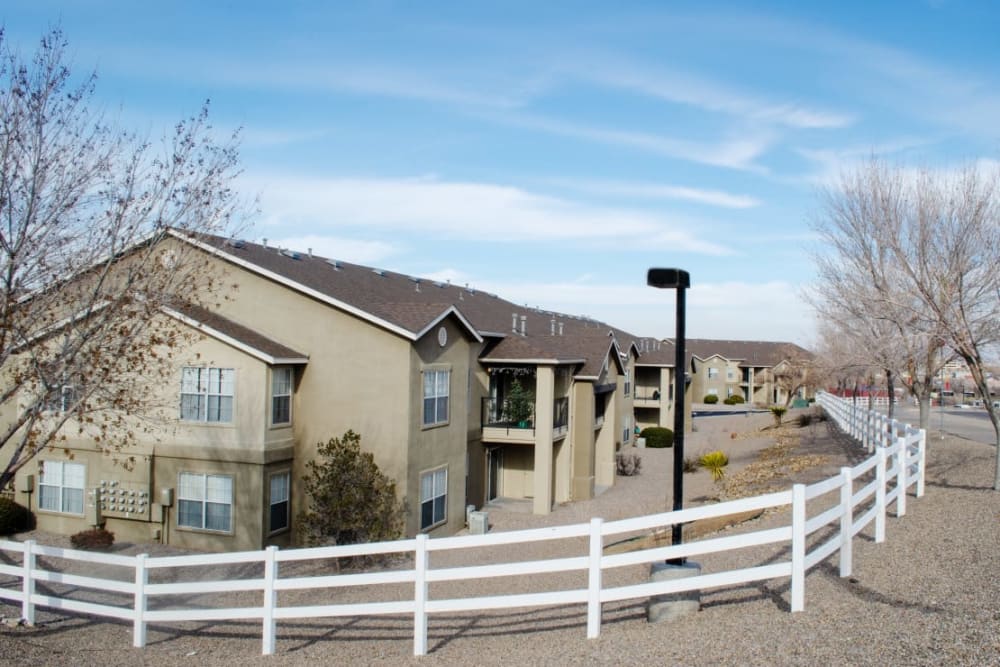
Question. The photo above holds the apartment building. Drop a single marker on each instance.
(306, 348)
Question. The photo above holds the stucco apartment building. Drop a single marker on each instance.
(747, 369)
(306, 348)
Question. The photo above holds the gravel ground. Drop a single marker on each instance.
(930, 594)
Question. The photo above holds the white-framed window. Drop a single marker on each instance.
(436, 389)
(282, 379)
(628, 382)
(61, 398)
(61, 487)
(713, 391)
(433, 497)
(205, 502)
(278, 496)
(713, 373)
(207, 394)
(730, 374)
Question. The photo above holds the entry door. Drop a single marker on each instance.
(494, 466)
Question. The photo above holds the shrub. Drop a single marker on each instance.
(95, 539)
(778, 412)
(805, 419)
(690, 464)
(715, 463)
(14, 518)
(735, 399)
(711, 399)
(628, 463)
(658, 437)
(350, 499)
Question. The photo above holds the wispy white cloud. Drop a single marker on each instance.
(661, 191)
(703, 93)
(462, 210)
(737, 152)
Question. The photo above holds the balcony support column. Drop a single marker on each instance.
(545, 384)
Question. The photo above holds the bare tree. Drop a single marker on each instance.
(918, 250)
(88, 256)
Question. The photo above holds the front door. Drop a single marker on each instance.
(494, 466)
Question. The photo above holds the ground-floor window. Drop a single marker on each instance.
(433, 497)
(61, 487)
(280, 483)
(205, 501)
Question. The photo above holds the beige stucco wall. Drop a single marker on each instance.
(431, 448)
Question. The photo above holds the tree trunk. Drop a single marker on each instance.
(891, 388)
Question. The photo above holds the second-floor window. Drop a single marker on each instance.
(628, 382)
(436, 389)
(713, 373)
(281, 395)
(207, 394)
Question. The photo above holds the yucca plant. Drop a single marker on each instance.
(715, 463)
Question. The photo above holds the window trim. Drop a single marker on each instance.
(203, 408)
(444, 510)
(288, 501)
(435, 397)
(204, 501)
(291, 390)
(61, 487)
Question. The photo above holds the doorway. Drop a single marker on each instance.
(494, 468)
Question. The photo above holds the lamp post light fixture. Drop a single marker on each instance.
(679, 280)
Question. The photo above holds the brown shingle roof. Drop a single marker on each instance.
(217, 326)
(408, 305)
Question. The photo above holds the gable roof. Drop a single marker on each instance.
(409, 307)
(235, 334)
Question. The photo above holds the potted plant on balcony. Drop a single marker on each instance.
(519, 405)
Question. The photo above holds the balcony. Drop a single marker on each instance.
(646, 396)
(499, 427)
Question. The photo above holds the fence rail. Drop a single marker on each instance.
(897, 461)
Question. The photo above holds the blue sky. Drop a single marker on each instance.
(553, 152)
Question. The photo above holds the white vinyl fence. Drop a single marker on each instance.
(124, 589)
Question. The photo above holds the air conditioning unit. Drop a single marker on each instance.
(479, 523)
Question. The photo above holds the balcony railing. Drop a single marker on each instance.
(493, 416)
(647, 393)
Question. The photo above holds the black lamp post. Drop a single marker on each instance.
(679, 280)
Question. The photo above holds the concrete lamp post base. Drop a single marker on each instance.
(669, 606)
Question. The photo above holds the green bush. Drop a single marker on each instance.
(715, 463)
(95, 539)
(658, 437)
(711, 399)
(14, 518)
(350, 500)
(735, 399)
(778, 411)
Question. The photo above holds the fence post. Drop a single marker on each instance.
(139, 603)
(880, 482)
(921, 461)
(798, 547)
(420, 596)
(846, 521)
(270, 599)
(28, 583)
(594, 579)
(901, 476)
